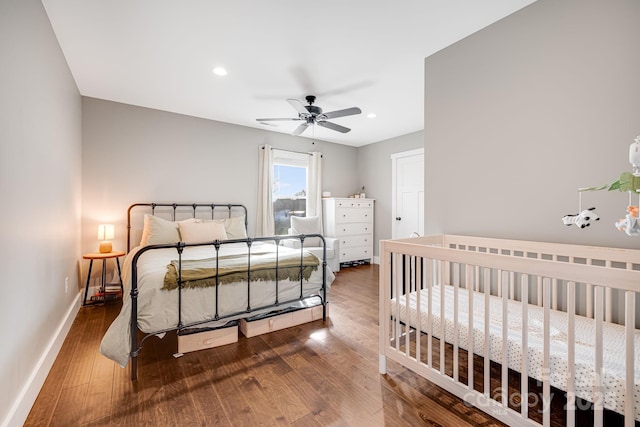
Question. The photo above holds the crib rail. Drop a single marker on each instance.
(501, 283)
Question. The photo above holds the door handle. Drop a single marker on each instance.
(398, 218)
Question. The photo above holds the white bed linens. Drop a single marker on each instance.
(158, 308)
(613, 345)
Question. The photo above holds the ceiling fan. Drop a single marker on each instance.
(312, 114)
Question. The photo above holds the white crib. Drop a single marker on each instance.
(562, 315)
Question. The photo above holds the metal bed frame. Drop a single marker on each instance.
(278, 307)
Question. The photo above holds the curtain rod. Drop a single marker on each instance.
(291, 151)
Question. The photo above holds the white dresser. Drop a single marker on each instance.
(351, 221)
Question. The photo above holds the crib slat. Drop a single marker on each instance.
(589, 301)
(571, 354)
(487, 367)
(470, 352)
(546, 386)
(524, 360)
(456, 284)
(505, 339)
(512, 285)
(431, 277)
(419, 279)
(598, 398)
(406, 266)
(539, 287)
(629, 328)
(396, 294)
(442, 315)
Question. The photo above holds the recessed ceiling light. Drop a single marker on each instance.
(371, 115)
(219, 71)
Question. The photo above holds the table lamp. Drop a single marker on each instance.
(106, 232)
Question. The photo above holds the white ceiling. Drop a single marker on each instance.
(370, 54)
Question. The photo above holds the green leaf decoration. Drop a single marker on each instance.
(615, 185)
(627, 182)
(600, 187)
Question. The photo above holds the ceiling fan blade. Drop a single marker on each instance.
(275, 120)
(301, 128)
(341, 113)
(333, 126)
(298, 106)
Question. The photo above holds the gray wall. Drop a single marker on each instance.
(132, 154)
(374, 172)
(521, 114)
(40, 146)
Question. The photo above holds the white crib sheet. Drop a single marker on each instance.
(613, 337)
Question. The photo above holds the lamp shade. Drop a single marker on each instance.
(106, 232)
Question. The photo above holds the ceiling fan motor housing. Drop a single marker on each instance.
(313, 110)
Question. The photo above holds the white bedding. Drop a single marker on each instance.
(613, 345)
(158, 308)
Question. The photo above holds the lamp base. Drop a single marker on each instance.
(105, 247)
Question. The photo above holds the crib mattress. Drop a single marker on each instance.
(613, 336)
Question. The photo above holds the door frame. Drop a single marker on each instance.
(394, 165)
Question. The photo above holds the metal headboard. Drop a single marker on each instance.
(194, 206)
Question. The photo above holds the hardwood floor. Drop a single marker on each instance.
(315, 374)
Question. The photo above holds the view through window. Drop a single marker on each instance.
(289, 188)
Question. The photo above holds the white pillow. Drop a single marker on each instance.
(158, 231)
(307, 225)
(202, 232)
(235, 227)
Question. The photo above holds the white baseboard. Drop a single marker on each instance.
(376, 260)
(29, 392)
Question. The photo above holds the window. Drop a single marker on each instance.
(290, 189)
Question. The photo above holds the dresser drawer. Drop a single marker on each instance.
(356, 254)
(355, 203)
(354, 215)
(352, 241)
(347, 229)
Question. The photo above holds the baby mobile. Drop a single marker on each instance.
(629, 182)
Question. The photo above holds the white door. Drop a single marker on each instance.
(408, 193)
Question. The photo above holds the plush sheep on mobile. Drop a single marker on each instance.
(630, 224)
(582, 219)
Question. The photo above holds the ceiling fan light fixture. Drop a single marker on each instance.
(371, 116)
(220, 71)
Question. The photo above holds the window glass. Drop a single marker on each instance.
(289, 188)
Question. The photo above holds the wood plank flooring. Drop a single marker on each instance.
(317, 374)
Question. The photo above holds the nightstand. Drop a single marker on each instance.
(104, 257)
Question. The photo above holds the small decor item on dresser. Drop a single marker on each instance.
(106, 232)
(362, 193)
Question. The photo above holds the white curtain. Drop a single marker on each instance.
(314, 197)
(265, 225)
